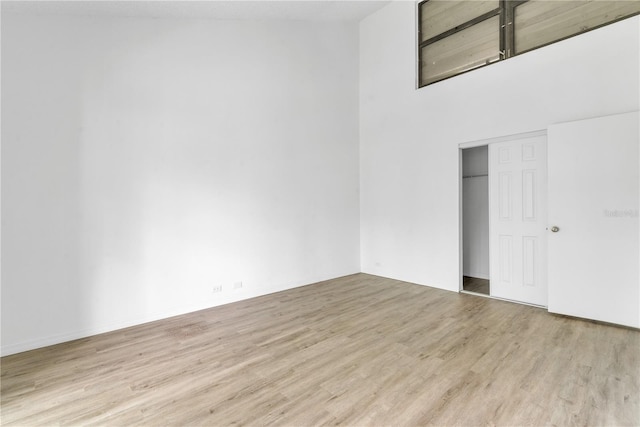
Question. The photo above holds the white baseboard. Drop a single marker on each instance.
(32, 344)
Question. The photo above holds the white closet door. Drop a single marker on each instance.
(593, 200)
(518, 219)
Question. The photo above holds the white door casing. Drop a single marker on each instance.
(518, 219)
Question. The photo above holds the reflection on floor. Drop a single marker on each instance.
(473, 284)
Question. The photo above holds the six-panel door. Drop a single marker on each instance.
(517, 193)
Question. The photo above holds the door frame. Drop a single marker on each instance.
(472, 144)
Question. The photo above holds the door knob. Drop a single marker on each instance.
(555, 229)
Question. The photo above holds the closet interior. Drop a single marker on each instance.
(475, 223)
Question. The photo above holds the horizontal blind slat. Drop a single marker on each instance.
(438, 16)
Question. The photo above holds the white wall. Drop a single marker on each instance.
(409, 138)
(145, 161)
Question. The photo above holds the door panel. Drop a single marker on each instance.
(593, 199)
(517, 171)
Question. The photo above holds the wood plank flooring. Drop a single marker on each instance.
(358, 351)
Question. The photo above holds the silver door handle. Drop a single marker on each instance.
(555, 229)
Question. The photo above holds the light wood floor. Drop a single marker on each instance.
(360, 351)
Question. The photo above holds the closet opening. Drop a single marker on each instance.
(475, 220)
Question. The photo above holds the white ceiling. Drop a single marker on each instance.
(304, 10)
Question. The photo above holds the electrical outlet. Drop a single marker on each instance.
(237, 285)
(217, 289)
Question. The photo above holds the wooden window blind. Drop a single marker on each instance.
(541, 22)
(464, 50)
(440, 16)
(456, 36)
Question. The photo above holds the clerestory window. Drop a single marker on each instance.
(456, 36)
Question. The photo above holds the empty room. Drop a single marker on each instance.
(304, 213)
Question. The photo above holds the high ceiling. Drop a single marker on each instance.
(304, 10)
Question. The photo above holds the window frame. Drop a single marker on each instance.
(506, 10)
(520, 2)
(456, 29)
